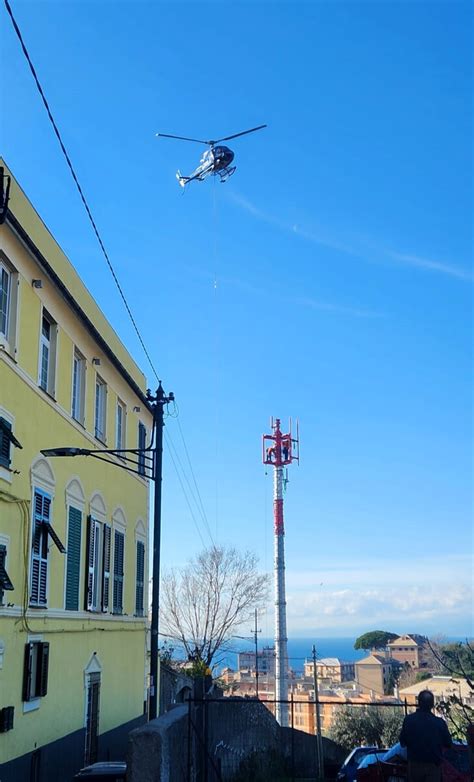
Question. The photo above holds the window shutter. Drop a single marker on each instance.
(141, 446)
(42, 669)
(73, 566)
(118, 572)
(5, 443)
(27, 669)
(106, 567)
(39, 552)
(140, 578)
(90, 565)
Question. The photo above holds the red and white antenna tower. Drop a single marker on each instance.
(280, 450)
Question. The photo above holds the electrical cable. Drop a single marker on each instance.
(79, 188)
(184, 490)
(172, 447)
(106, 256)
(202, 509)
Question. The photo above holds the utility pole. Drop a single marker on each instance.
(318, 718)
(255, 632)
(158, 401)
(280, 450)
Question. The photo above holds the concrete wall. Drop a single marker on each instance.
(242, 738)
(157, 752)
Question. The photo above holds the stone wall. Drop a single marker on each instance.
(242, 738)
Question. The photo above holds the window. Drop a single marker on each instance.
(119, 540)
(5, 583)
(35, 671)
(73, 564)
(98, 566)
(78, 386)
(100, 408)
(5, 442)
(42, 530)
(140, 578)
(5, 300)
(47, 364)
(141, 446)
(120, 426)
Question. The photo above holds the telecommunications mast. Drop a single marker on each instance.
(280, 450)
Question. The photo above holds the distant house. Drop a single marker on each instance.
(408, 649)
(331, 668)
(373, 674)
(442, 687)
(266, 661)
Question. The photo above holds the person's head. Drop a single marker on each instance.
(425, 700)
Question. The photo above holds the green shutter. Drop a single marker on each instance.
(5, 443)
(140, 578)
(73, 567)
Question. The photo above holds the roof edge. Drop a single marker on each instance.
(12, 221)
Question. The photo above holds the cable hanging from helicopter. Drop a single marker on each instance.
(216, 161)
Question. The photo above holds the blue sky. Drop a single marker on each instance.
(330, 279)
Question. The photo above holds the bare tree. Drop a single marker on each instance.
(204, 603)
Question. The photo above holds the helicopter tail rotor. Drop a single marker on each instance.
(183, 180)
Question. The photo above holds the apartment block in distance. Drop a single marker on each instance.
(330, 668)
(73, 531)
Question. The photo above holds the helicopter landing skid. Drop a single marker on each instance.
(225, 173)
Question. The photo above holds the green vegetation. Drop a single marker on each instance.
(371, 725)
(457, 660)
(375, 639)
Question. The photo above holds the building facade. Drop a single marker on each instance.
(331, 668)
(373, 674)
(73, 531)
(266, 661)
(408, 649)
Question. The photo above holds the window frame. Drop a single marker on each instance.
(100, 409)
(120, 425)
(5, 330)
(8, 336)
(78, 395)
(39, 549)
(97, 572)
(35, 666)
(118, 571)
(49, 342)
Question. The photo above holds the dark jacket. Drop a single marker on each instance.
(424, 736)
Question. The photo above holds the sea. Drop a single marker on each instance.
(299, 650)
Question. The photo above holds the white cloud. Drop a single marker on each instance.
(366, 251)
(430, 265)
(407, 595)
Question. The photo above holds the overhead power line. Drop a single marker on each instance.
(199, 503)
(79, 188)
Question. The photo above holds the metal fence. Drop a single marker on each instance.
(237, 739)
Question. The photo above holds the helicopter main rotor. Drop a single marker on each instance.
(213, 142)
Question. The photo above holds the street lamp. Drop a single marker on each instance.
(147, 462)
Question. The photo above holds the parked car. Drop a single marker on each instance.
(110, 771)
(347, 772)
(455, 766)
(370, 758)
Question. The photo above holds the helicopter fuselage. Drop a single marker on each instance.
(223, 157)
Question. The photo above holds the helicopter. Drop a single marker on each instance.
(216, 161)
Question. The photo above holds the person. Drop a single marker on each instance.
(286, 448)
(424, 736)
(270, 454)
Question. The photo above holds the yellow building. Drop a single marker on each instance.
(73, 532)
